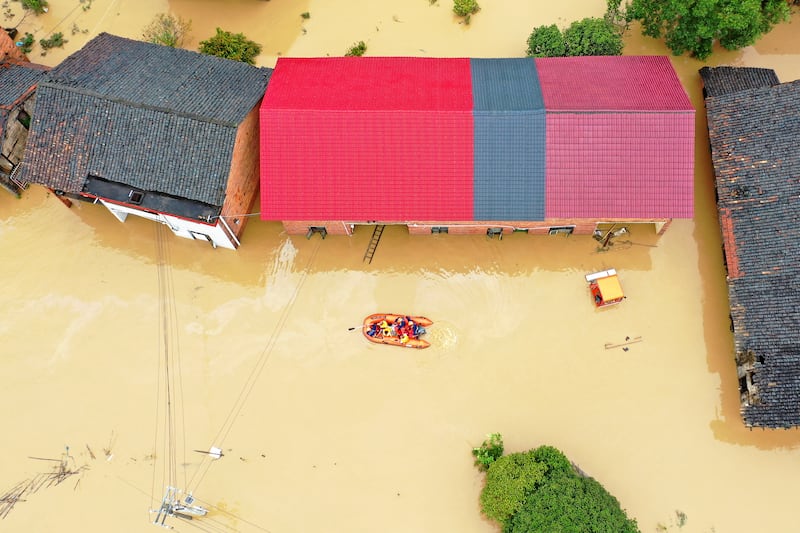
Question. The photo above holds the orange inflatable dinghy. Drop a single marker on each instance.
(396, 330)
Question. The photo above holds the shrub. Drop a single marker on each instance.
(571, 503)
(231, 46)
(357, 49)
(167, 30)
(26, 43)
(305, 15)
(465, 8)
(509, 481)
(55, 41)
(546, 41)
(37, 6)
(593, 37)
(489, 451)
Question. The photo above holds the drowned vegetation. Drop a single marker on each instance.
(541, 490)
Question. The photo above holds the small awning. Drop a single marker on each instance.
(610, 289)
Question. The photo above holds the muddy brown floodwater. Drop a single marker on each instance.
(324, 432)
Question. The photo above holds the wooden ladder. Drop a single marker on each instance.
(373, 243)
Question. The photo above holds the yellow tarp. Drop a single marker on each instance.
(610, 288)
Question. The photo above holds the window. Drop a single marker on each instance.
(24, 118)
(316, 229)
(491, 232)
(439, 229)
(136, 197)
(561, 230)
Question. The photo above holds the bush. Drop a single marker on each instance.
(357, 49)
(167, 30)
(489, 451)
(546, 41)
(37, 6)
(26, 43)
(55, 41)
(231, 46)
(465, 8)
(509, 481)
(593, 37)
(571, 503)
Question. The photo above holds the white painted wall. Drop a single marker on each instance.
(181, 227)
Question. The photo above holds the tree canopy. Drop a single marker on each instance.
(540, 490)
(694, 26)
(231, 46)
(587, 37)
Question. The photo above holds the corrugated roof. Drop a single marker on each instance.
(371, 84)
(611, 83)
(620, 165)
(505, 85)
(331, 138)
(107, 111)
(753, 140)
(718, 81)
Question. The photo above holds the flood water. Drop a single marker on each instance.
(323, 431)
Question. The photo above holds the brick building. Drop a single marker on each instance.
(753, 126)
(476, 145)
(162, 133)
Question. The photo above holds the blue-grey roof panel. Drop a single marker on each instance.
(507, 84)
(509, 172)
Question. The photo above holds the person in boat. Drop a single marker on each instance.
(386, 329)
(373, 330)
(404, 338)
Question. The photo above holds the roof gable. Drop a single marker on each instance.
(370, 84)
(161, 77)
(718, 81)
(147, 116)
(611, 83)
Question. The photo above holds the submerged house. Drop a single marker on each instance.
(153, 131)
(753, 126)
(18, 80)
(458, 145)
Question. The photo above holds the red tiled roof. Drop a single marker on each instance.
(387, 139)
(371, 84)
(611, 83)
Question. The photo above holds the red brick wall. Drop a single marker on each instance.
(242, 188)
(582, 226)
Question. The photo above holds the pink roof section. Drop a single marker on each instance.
(620, 138)
(367, 139)
(611, 83)
(620, 165)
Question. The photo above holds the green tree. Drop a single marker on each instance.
(509, 480)
(695, 26)
(571, 504)
(37, 6)
(465, 8)
(231, 46)
(546, 41)
(593, 37)
(168, 30)
(489, 451)
(357, 49)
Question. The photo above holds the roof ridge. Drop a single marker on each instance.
(138, 105)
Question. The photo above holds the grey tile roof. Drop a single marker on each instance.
(753, 140)
(16, 79)
(718, 81)
(148, 75)
(152, 117)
